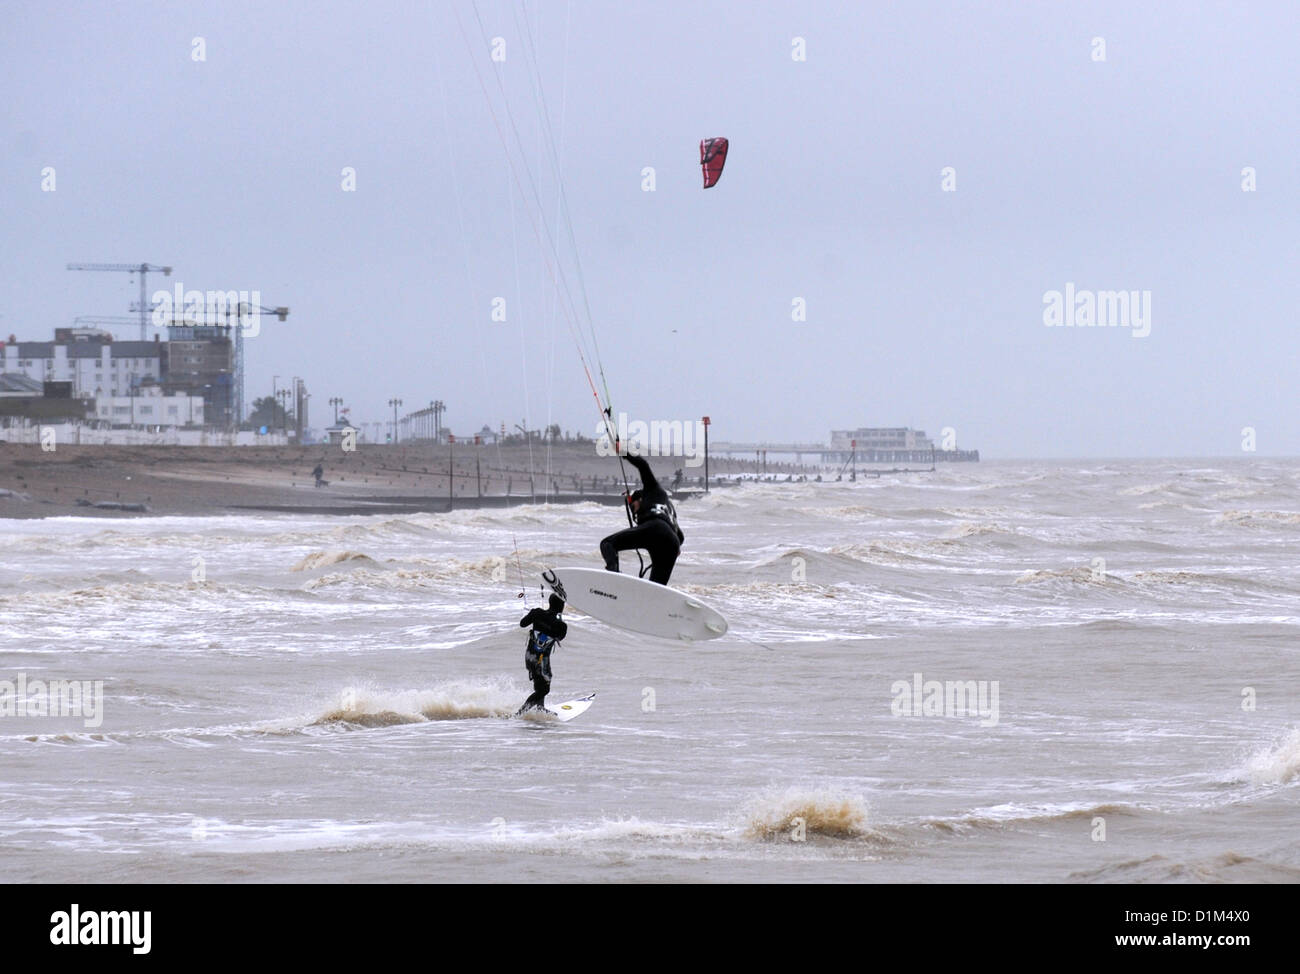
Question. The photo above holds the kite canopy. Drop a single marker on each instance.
(713, 156)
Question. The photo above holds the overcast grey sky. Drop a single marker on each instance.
(924, 307)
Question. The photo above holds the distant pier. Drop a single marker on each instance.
(829, 455)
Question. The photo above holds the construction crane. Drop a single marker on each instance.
(102, 321)
(141, 269)
(282, 314)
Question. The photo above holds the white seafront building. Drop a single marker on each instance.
(149, 407)
(120, 381)
(88, 358)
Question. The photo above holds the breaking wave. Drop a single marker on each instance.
(323, 559)
(1010, 815)
(369, 707)
(125, 594)
(1259, 519)
(1080, 575)
(1277, 764)
(810, 812)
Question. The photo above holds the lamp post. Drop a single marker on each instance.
(438, 407)
(394, 403)
(706, 454)
(284, 395)
(336, 402)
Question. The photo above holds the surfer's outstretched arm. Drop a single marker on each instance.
(649, 483)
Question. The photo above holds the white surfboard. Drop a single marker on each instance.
(559, 711)
(632, 603)
(572, 708)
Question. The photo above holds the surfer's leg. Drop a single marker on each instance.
(624, 540)
(664, 549)
(534, 702)
(541, 681)
(539, 668)
(661, 569)
(609, 553)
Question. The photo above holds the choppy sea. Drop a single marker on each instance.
(997, 672)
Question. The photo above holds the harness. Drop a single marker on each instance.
(540, 643)
(664, 511)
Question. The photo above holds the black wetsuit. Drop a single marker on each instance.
(548, 630)
(656, 529)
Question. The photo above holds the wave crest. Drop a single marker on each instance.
(1277, 764)
(811, 812)
(370, 707)
(1259, 519)
(323, 559)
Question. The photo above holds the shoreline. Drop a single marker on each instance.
(158, 481)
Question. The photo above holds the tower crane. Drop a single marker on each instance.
(141, 269)
(282, 313)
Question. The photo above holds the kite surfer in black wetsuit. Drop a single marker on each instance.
(656, 529)
(548, 630)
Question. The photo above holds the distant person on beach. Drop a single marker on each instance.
(656, 529)
(548, 631)
(319, 474)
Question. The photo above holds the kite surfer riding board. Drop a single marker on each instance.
(548, 630)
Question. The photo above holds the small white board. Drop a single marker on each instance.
(572, 708)
(559, 711)
(628, 602)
